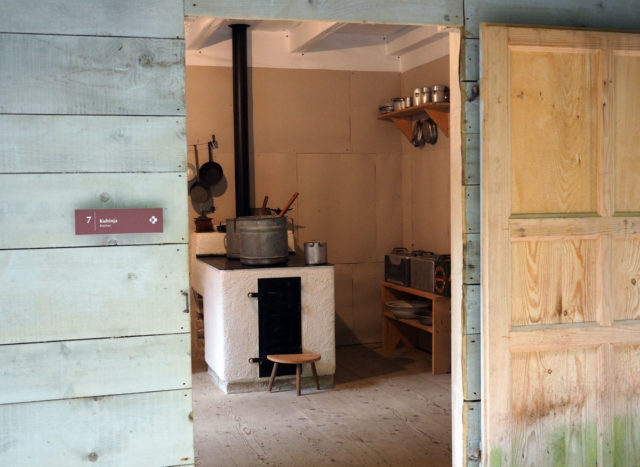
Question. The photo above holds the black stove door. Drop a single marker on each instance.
(279, 321)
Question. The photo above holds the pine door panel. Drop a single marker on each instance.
(561, 246)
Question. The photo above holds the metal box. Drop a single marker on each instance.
(423, 266)
(397, 267)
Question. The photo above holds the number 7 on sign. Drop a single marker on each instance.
(88, 219)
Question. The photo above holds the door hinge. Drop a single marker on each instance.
(475, 93)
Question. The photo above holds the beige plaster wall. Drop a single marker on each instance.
(425, 174)
(315, 132)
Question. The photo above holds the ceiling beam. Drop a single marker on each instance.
(202, 31)
(307, 34)
(405, 42)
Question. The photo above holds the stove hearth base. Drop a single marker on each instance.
(231, 321)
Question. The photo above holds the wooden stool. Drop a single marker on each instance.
(296, 359)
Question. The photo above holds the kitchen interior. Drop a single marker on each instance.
(336, 193)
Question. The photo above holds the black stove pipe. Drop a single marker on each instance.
(240, 117)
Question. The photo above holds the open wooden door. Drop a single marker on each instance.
(561, 247)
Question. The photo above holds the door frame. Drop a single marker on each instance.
(457, 221)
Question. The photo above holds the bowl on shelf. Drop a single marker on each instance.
(409, 309)
(426, 320)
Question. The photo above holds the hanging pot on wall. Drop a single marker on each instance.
(198, 191)
(210, 172)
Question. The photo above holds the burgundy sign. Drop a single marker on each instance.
(118, 221)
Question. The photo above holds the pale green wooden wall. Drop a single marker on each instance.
(94, 337)
(92, 115)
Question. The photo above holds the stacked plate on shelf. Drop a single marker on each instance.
(411, 309)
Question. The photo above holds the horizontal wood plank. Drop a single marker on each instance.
(471, 309)
(63, 143)
(91, 75)
(567, 336)
(612, 14)
(471, 262)
(472, 434)
(528, 229)
(59, 294)
(470, 68)
(471, 208)
(442, 12)
(129, 430)
(38, 210)
(471, 159)
(472, 367)
(94, 367)
(142, 18)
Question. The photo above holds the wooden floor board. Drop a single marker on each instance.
(386, 409)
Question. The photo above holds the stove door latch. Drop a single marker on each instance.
(253, 295)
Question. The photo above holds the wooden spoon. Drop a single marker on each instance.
(293, 198)
(263, 210)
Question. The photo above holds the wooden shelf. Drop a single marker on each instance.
(397, 331)
(439, 113)
(417, 292)
(410, 322)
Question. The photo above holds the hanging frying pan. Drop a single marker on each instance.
(211, 172)
(199, 192)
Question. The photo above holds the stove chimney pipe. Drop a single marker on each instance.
(240, 117)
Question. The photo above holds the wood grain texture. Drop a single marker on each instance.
(559, 146)
(626, 449)
(549, 228)
(91, 144)
(471, 309)
(59, 294)
(470, 108)
(472, 208)
(127, 430)
(553, 399)
(470, 60)
(143, 18)
(441, 12)
(94, 367)
(471, 155)
(553, 282)
(472, 267)
(386, 409)
(613, 14)
(45, 217)
(91, 75)
(626, 260)
(472, 419)
(626, 138)
(472, 367)
(572, 335)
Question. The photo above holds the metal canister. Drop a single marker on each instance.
(408, 102)
(425, 95)
(315, 253)
(417, 96)
(440, 93)
(398, 103)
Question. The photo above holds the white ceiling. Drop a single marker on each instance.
(316, 44)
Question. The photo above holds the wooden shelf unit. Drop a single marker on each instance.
(439, 113)
(397, 330)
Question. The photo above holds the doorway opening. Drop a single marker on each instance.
(365, 189)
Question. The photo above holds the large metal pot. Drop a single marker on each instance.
(263, 240)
